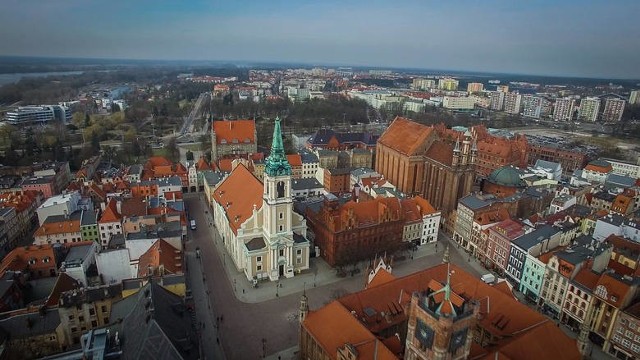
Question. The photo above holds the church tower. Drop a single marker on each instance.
(277, 208)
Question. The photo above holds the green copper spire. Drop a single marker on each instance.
(277, 164)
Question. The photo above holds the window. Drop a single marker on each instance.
(94, 323)
(299, 252)
(92, 312)
(258, 258)
(71, 317)
(81, 318)
(281, 215)
(104, 308)
(628, 334)
(259, 268)
(281, 252)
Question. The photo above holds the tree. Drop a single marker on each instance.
(87, 120)
(173, 153)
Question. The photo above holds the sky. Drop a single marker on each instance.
(560, 38)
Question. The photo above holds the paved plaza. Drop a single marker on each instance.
(243, 322)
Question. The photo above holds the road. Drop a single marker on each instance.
(247, 319)
(187, 126)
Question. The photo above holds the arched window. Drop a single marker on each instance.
(280, 189)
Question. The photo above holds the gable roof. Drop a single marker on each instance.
(237, 194)
(235, 131)
(294, 159)
(405, 135)
(161, 253)
(440, 152)
(158, 327)
(324, 323)
(110, 213)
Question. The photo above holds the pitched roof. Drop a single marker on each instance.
(382, 276)
(237, 194)
(294, 159)
(202, 164)
(616, 287)
(63, 283)
(440, 152)
(405, 135)
(161, 253)
(59, 224)
(134, 206)
(235, 131)
(512, 316)
(110, 213)
(322, 325)
(17, 259)
(527, 345)
(587, 278)
(165, 333)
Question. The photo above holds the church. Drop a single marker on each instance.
(431, 161)
(261, 233)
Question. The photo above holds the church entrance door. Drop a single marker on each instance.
(281, 270)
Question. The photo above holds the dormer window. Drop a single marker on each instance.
(32, 261)
(46, 259)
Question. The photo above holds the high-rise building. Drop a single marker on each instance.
(563, 110)
(531, 106)
(503, 88)
(589, 108)
(497, 100)
(613, 109)
(512, 103)
(423, 84)
(474, 87)
(634, 97)
(448, 84)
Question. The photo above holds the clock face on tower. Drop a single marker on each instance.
(457, 340)
(424, 334)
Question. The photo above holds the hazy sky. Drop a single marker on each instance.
(561, 37)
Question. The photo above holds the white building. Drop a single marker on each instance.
(78, 260)
(496, 99)
(634, 97)
(113, 265)
(563, 110)
(458, 103)
(58, 205)
(110, 222)
(261, 233)
(613, 109)
(32, 114)
(512, 103)
(589, 108)
(531, 106)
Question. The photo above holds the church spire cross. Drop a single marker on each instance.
(277, 164)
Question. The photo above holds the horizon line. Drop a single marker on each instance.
(319, 64)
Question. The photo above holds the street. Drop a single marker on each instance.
(268, 312)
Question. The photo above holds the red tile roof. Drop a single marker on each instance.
(110, 213)
(616, 289)
(294, 159)
(441, 152)
(238, 194)
(587, 278)
(235, 131)
(528, 346)
(134, 206)
(18, 258)
(324, 323)
(405, 135)
(161, 253)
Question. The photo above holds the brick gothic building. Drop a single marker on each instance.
(432, 161)
(356, 230)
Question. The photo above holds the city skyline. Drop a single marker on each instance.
(540, 38)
